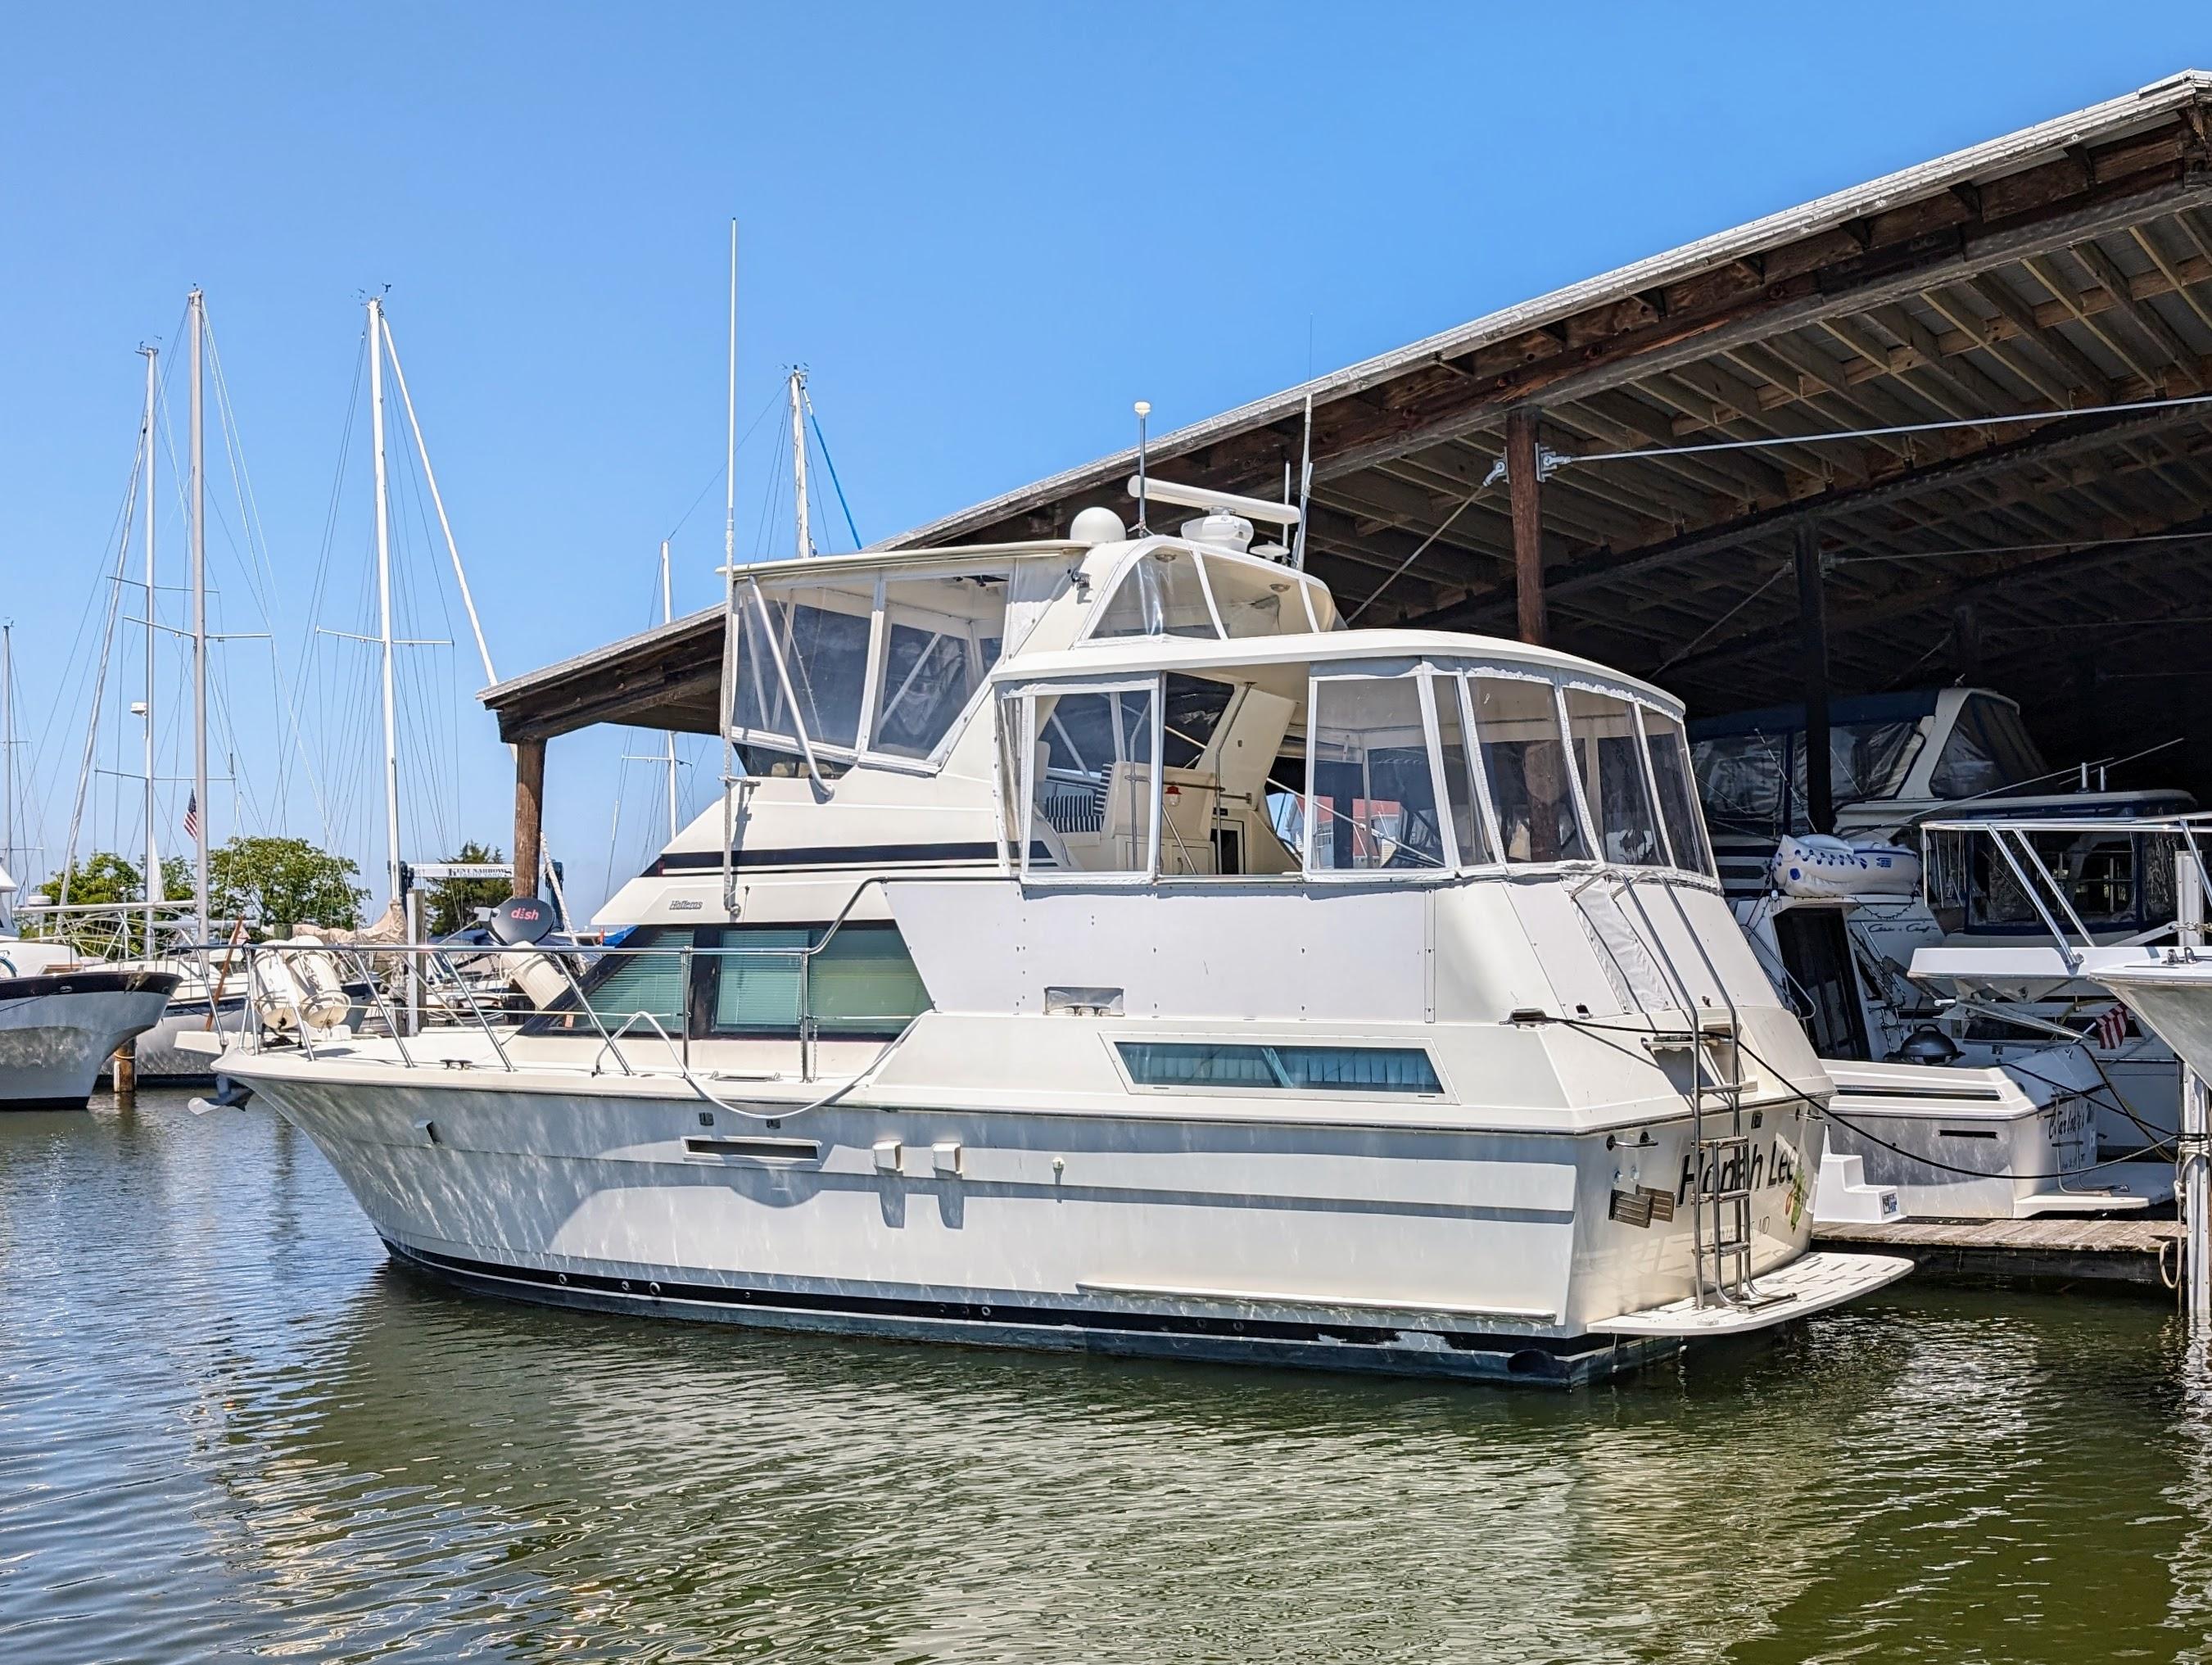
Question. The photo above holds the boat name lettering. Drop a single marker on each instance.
(1772, 1164)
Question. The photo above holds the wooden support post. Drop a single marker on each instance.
(1813, 622)
(529, 814)
(1522, 487)
(124, 1066)
(1966, 641)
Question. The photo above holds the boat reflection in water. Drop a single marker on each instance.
(229, 1429)
(1116, 953)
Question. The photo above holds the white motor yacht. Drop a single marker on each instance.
(1925, 770)
(1104, 948)
(1958, 1130)
(60, 1022)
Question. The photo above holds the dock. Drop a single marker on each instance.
(2047, 1253)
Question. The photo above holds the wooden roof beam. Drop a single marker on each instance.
(2170, 270)
(2045, 272)
(2035, 368)
(2168, 339)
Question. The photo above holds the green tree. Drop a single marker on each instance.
(102, 878)
(451, 903)
(283, 882)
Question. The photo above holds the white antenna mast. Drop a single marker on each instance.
(728, 710)
(798, 460)
(1305, 488)
(1143, 409)
(154, 895)
(203, 811)
(384, 594)
(667, 615)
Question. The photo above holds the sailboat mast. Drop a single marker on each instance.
(667, 614)
(384, 595)
(154, 892)
(798, 458)
(7, 746)
(202, 810)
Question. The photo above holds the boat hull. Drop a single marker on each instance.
(57, 1032)
(1352, 1244)
(2174, 1002)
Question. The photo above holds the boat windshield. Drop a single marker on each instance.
(1988, 749)
(878, 665)
(1376, 771)
(2115, 879)
(1176, 590)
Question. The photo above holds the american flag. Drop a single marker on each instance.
(2110, 1031)
(192, 817)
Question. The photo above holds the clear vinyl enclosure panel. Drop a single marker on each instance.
(1371, 792)
(1404, 769)
(875, 666)
(1175, 590)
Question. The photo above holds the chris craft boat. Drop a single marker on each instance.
(1104, 948)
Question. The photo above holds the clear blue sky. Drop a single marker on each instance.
(986, 229)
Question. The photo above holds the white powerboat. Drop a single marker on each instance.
(1105, 949)
(59, 1022)
(2170, 990)
(1955, 1130)
(1895, 761)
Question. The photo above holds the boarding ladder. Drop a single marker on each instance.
(1720, 1190)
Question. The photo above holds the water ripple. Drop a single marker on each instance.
(228, 1429)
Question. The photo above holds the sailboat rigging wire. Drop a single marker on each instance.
(1399, 570)
(835, 483)
(1564, 460)
(99, 692)
(261, 578)
(1707, 634)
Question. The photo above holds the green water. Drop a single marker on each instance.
(228, 1429)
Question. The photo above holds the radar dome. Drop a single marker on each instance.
(1097, 525)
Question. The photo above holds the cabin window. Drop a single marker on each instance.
(858, 983)
(646, 974)
(1201, 1065)
(1373, 798)
(1677, 797)
(940, 636)
(1089, 792)
(1162, 593)
(1524, 763)
(1609, 757)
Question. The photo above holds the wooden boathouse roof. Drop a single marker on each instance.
(2045, 543)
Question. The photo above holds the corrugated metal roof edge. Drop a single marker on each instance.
(1991, 159)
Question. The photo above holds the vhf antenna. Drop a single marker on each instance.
(1143, 409)
(1305, 490)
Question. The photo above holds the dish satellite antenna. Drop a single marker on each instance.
(520, 921)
